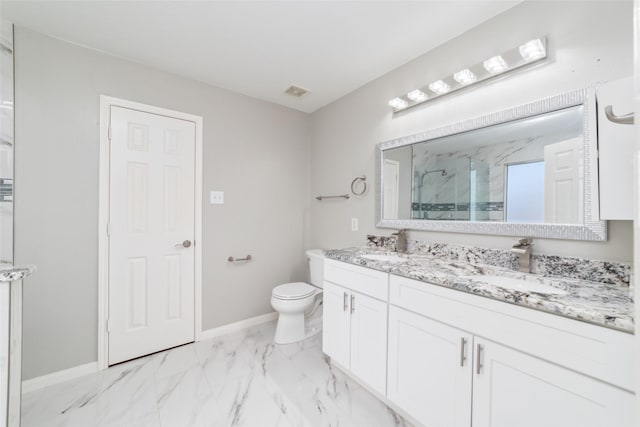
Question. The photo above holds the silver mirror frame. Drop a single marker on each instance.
(593, 228)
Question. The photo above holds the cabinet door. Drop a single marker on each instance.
(616, 153)
(369, 340)
(429, 369)
(513, 389)
(336, 323)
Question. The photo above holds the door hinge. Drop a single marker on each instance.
(108, 325)
(109, 229)
(109, 133)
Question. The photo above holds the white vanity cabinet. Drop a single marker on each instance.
(514, 389)
(446, 367)
(449, 358)
(354, 322)
(615, 150)
(429, 371)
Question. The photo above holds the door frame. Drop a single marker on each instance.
(106, 102)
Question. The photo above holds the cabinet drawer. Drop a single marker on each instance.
(360, 279)
(600, 352)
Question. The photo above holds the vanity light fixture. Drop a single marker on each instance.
(439, 87)
(509, 60)
(417, 95)
(495, 64)
(465, 77)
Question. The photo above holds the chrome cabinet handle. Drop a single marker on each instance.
(627, 119)
(185, 244)
(345, 302)
(478, 358)
(353, 303)
(463, 345)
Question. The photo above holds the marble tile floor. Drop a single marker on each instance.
(240, 379)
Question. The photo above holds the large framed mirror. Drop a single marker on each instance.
(529, 171)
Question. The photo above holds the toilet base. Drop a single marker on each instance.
(290, 328)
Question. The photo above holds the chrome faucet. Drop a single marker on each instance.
(523, 249)
(401, 240)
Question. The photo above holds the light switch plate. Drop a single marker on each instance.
(216, 197)
(354, 224)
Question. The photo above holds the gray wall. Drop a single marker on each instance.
(588, 42)
(255, 151)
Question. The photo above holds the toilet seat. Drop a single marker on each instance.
(293, 291)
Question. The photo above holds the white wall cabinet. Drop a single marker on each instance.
(354, 331)
(616, 150)
(429, 369)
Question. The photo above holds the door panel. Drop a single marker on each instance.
(517, 390)
(151, 275)
(369, 340)
(429, 369)
(336, 323)
(564, 182)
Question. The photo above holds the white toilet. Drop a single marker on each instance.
(294, 300)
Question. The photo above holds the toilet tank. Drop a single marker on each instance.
(316, 266)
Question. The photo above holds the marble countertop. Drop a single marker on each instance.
(11, 274)
(609, 305)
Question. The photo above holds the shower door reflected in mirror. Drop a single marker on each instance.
(6, 143)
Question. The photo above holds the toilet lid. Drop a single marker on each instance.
(296, 290)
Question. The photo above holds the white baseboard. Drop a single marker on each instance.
(58, 377)
(90, 368)
(237, 326)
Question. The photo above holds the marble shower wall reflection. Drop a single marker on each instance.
(6, 142)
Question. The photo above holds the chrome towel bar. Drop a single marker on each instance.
(232, 259)
(342, 196)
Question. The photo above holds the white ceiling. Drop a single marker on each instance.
(261, 48)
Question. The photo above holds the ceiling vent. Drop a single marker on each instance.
(296, 91)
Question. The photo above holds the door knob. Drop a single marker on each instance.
(184, 244)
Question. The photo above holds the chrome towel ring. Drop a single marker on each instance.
(363, 180)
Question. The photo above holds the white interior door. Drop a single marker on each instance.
(563, 182)
(151, 214)
(391, 176)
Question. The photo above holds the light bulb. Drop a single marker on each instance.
(439, 87)
(465, 77)
(495, 65)
(532, 50)
(398, 103)
(417, 95)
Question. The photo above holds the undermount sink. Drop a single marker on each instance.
(385, 258)
(518, 284)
